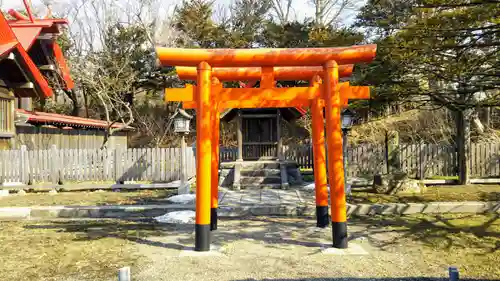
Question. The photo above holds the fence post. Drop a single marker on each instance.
(117, 163)
(107, 163)
(54, 168)
(23, 165)
(124, 274)
(453, 273)
(421, 160)
(183, 188)
(3, 164)
(392, 151)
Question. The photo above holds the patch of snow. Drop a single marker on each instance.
(13, 184)
(182, 199)
(312, 187)
(179, 217)
(4, 192)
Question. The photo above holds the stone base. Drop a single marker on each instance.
(352, 250)
(215, 251)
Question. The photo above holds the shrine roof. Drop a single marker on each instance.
(60, 120)
(289, 113)
(17, 66)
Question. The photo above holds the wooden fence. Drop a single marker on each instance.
(163, 164)
(418, 160)
(94, 165)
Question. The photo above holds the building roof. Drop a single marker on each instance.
(59, 120)
(18, 69)
(37, 37)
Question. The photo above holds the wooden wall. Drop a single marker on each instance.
(43, 138)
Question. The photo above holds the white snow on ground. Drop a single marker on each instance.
(179, 217)
(312, 187)
(182, 199)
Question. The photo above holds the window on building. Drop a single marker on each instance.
(6, 111)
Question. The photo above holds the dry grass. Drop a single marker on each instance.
(471, 242)
(430, 126)
(260, 248)
(433, 194)
(86, 198)
(45, 253)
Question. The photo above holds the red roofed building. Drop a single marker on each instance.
(31, 65)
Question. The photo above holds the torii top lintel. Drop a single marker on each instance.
(265, 57)
(255, 73)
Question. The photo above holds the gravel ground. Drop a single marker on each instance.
(290, 249)
(258, 248)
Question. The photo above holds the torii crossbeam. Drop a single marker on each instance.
(268, 66)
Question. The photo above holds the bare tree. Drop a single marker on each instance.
(330, 12)
(282, 9)
(111, 55)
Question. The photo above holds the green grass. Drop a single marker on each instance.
(86, 198)
(432, 194)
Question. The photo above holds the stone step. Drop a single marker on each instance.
(260, 180)
(269, 164)
(251, 165)
(225, 172)
(260, 173)
(260, 186)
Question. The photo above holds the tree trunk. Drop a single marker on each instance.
(318, 12)
(463, 144)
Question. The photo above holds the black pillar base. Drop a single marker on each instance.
(339, 235)
(213, 219)
(322, 219)
(202, 238)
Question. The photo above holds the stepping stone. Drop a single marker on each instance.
(289, 197)
(252, 197)
(231, 198)
(270, 197)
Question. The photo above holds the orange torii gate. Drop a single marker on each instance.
(267, 98)
(209, 98)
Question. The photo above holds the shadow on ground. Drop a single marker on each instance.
(134, 231)
(462, 231)
(366, 279)
(443, 231)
